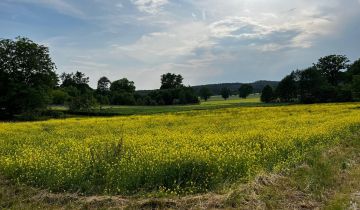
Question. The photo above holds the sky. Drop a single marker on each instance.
(206, 41)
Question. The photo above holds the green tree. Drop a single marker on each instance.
(187, 95)
(354, 69)
(171, 81)
(267, 94)
(225, 93)
(59, 97)
(122, 85)
(330, 67)
(287, 88)
(82, 101)
(81, 94)
(356, 87)
(103, 91)
(122, 92)
(27, 76)
(103, 85)
(77, 80)
(313, 86)
(205, 93)
(245, 90)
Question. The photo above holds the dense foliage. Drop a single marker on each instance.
(171, 81)
(245, 90)
(267, 95)
(28, 84)
(205, 93)
(234, 87)
(331, 79)
(27, 76)
(225, 93)
(81, 97)
(172, 91)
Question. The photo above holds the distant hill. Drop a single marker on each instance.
(234, 87)
(216, 88)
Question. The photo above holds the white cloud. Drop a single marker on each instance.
(211, 37)
(200, 39)
(180, 40)
(230, 26)
(275, 31)
(150, 6)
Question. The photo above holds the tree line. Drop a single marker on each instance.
(234, 87)
(29, 83)
(331, 79)
(75, 92)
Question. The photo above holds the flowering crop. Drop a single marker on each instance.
(186, 152)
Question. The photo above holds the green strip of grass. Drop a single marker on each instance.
(214, 103)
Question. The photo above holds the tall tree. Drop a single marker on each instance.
(287, 88)
(267, 94)
(103, 91)
(171, 81)
(225, 93)
(77, 80)
(356, 87)
(205, 93)
(103, 85)
(312, 86)
(330, 66)
(123, 85)
(245, 90)
(122, 92)
(81, 95)
(354, 69)
(27, 76)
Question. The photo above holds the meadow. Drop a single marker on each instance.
(216, 102)
(193, 151)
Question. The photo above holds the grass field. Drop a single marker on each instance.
(215, 102)
(166, 154)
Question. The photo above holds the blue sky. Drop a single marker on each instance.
(207, 41)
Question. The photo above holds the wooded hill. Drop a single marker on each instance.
(258, 86)
(215, 89)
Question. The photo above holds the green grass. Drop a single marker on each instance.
(215, 102)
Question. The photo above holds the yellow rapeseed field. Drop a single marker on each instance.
(187, 152)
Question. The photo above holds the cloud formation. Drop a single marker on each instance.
(206, 40)
(150, 6)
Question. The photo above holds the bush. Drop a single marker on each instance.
(84, 102)
(122, 98)
(183, 95)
